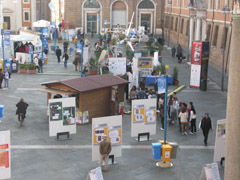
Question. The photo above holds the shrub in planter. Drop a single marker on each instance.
(32, 68)
(175, 76)
(23, 68)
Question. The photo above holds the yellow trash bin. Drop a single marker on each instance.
(1, 64)
(166, 152)
(46, 60)
(162, 141)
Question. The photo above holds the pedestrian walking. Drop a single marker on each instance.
(205, 126)
(58, 53)
(173, 51)
(179, 53)
(184, 121)
(40, 64)
(6, 78)
(192, 118)
(36, 62)
(105, 147)
(1, 78)
(65, 45)
(174, 111)
(77, 61)
(65, 58)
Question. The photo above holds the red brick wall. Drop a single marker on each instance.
(28, 6)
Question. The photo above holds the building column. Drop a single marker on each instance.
(232, 155)
(204, 27)
(198, 29)
(191, 28)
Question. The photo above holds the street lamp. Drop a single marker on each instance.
(225, 11)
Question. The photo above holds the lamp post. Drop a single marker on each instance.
(225, 10)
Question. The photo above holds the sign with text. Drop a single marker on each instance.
(7, 38)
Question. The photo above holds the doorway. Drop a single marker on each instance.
(91, 23)
(146, 22)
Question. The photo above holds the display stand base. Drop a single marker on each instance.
(143, 139)
(164, 164)
(146, 136)
(63, 134)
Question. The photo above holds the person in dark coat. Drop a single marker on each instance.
(1, 78)
(58, 53)
(173, 51)
(65, 57)
(206, 125)
(179, 53)
(21, 108)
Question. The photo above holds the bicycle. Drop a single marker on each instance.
(21, 119)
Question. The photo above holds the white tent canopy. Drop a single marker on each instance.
(41, 23)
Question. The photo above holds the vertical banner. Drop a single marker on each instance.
(161, 82)
(30, 51)
(7, 38)
(79, 48)
(67, 24)
(5, 158)
(196, 64)
(63, 24)
(85, 55)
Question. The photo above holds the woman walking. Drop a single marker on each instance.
(193, 119)
(184, 122)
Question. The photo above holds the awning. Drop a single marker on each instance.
(56, 91)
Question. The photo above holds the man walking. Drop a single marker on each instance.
(206, 125)
(105, 148)
(58, 53)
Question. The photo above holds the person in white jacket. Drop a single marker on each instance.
(193, 118)
(184, 121)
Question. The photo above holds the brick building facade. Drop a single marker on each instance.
(209, 19)
(90, 14)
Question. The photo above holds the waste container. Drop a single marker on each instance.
(1, 64)
(46, 60)
(1, 111)
(8, 65)
(174, 149)
(162, 141)
(14, 66)
(166, 152)
(203, 85)
(156, 151)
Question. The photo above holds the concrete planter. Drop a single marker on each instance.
(23, 71)
(32, 71)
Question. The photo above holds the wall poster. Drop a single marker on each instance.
(69, 116)
(138, 114)
(150, 115)
(55, 111)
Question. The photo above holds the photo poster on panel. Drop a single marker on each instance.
(144, 117)
(117, 66)
(62, 116)
(20, 57)
(196, 64)
(220, 140)
(145, 65)
(82, 117)
(5, 155)
(111, 126)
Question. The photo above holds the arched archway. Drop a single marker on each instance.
(91, 14)
(146, 15)
(119, 8)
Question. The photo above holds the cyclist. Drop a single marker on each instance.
(21, 108)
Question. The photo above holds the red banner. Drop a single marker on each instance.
(63, 24)
(67, 24)
(196, 52)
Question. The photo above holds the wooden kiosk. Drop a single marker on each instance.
(100, 95)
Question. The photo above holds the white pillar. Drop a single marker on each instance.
(204, 26)
(191, 32)
(198, 29)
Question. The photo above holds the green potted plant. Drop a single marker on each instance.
(162, 69)
(92, 66)
(32, 68)
(175, 76)
(60, 39)
(23, 68)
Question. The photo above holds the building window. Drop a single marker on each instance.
(218, 4)
(26, 1)
(182, 25)
(176, 24)
(187, 30)
(6, 19)
(210, 4)
(224, 38)
(172, 23)
(167, 21)
(208, 32)
(91, 4)
(146, 4)
(26, 16)
(215, 36)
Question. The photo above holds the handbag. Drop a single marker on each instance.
(74, 62)
(63, 59)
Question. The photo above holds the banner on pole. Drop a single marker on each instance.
(7, 38)
(161, 82)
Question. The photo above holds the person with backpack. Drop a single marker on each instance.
(65, 58)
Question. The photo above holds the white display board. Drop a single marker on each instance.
(110, 126)
(135, 70)
(117, 66)
(219, 149)
(62, 116)
(195, 76)
(23, 57)
(210, 172)
(95, 174)
(5, 155)
(144, 117)
(85, 55)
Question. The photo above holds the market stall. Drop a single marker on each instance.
(98, 95)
